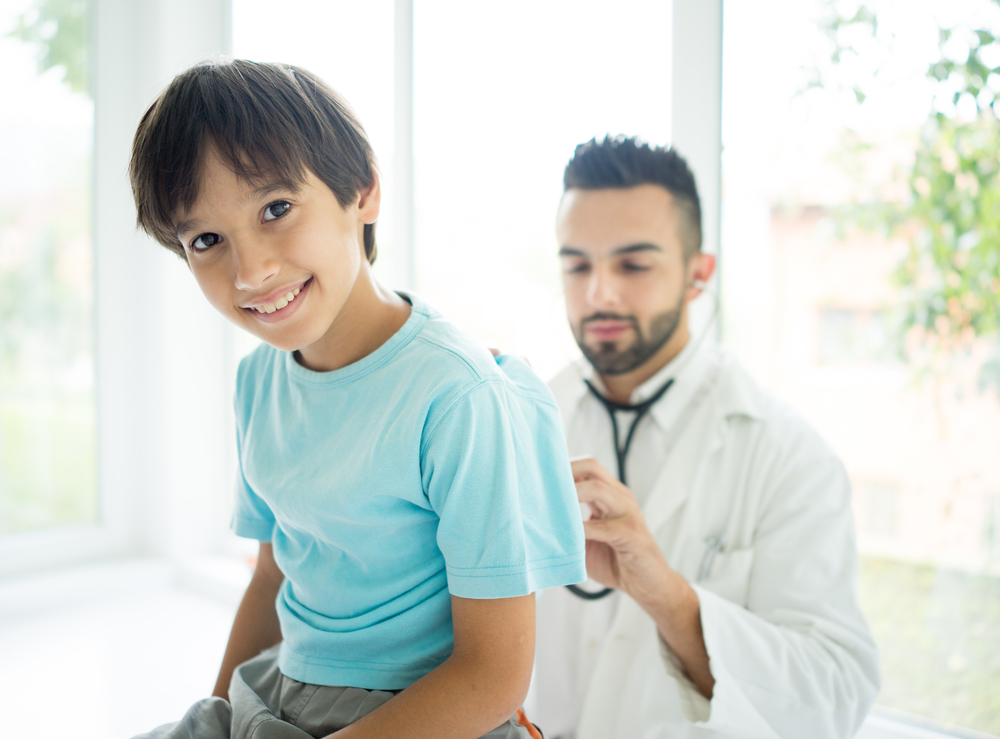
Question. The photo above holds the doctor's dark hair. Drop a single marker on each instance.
(268, 123)
(621, 162)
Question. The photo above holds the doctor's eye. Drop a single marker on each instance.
(634, 267)
(276, 210)
(205, 241)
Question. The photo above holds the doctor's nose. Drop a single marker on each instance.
(253, 264)
(602, 289)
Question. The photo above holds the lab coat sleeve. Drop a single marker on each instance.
(799, 660)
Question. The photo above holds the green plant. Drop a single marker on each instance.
(58, 28)
(949, 281)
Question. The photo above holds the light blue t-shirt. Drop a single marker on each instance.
(423, 470)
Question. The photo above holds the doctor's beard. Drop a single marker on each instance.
(608, 360)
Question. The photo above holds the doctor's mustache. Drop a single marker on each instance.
(610, 317)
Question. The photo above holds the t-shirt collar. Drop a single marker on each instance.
(419, 313)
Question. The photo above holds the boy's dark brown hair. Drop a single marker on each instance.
(268, 122)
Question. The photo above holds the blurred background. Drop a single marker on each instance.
(851, 191)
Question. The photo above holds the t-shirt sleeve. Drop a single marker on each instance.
(252, 517)
(496, 471)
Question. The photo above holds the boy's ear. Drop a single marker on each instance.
(370, 200)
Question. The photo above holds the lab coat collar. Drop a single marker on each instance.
(650, 386)
(698, 363)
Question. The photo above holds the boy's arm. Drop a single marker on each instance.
(255, 627)
(481, 685)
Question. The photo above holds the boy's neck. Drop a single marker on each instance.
(370, 317)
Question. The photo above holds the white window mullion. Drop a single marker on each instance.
(404, 271)
(696, 120)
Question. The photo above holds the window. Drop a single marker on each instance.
(834, 299)
(502, 95)
(48, 435)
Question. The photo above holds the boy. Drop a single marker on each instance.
(408, 495)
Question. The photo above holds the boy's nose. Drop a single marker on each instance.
(253, 265)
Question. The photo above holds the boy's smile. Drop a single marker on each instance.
(283, 260)
(279, 305)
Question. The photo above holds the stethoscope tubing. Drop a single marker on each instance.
(640, 409)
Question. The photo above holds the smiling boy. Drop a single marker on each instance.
(408, 494)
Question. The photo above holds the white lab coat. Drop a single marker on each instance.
(790, 651)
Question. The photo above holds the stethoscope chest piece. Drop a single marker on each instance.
(621, 452)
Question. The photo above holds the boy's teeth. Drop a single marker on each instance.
(279, 303)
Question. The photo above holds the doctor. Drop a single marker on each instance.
(720, 545)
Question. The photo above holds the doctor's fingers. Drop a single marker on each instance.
(588, 468)
(624, 534)
(607, 500)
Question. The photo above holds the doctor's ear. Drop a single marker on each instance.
(700, 267)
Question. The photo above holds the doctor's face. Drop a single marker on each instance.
(624, 275)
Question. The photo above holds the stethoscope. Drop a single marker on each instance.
(640, 410)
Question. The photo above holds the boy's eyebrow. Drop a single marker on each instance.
(269, 188)
(572, 251)
(187, 226)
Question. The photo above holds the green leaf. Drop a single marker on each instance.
(58, 28)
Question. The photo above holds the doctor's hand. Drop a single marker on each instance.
(622, 554)
(621, 551)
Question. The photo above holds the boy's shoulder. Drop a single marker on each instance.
(433, 358)
(454, 354)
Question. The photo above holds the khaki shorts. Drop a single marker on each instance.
(264, 704)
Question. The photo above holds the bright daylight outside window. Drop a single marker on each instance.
(502, 95)
(861, 275)
(47, 407)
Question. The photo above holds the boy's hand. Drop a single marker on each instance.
(255, 627)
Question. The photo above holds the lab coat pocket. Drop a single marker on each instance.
(729, 575)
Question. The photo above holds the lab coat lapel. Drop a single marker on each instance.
(696, 435)
(632, 628)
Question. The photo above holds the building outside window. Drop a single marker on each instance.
(857, 290)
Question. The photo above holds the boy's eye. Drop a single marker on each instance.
(205, 241)
(276, 210)
(577, 268)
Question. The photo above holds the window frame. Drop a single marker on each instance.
(143, 297)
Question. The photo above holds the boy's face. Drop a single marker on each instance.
(277, 260)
